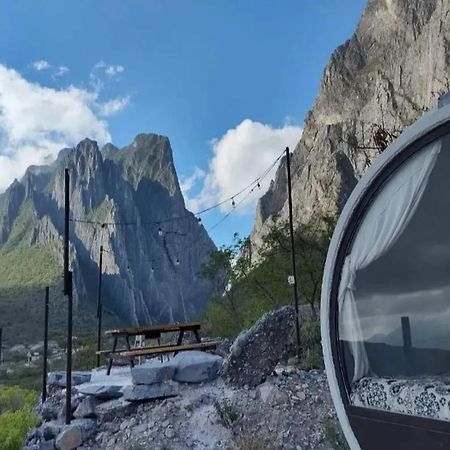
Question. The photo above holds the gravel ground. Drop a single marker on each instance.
(287, 411)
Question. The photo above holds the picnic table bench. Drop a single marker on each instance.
(153, 332)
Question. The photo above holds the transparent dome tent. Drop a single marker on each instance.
(386, 296)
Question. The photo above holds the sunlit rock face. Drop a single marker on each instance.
(148, 275)
(387, 74)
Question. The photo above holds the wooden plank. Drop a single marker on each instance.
(171, 348)
(121, 350)
(164, 328)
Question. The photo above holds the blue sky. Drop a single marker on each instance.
(228, 81)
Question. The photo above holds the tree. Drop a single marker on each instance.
(245, 289)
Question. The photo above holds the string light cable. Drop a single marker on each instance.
(251, 187)
(256, 183)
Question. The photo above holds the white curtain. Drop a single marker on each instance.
(384, 222)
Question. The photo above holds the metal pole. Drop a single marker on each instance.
(44, 365)
(291, 229)
(69, 352)
(99, 307)
(68, 291)
(66, 230)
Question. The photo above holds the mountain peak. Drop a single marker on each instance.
(149, 157)
(386, 75)
(137, 184)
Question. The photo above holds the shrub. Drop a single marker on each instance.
(14, 427)
(16, 417)
(14, 398)
(311, 346)
(227, 412)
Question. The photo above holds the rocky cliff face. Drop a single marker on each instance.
(153, 252)
(386, 75)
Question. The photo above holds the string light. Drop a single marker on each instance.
(253, 185)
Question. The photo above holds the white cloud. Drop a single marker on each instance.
(37, 121)
(41, 65)
(240, 156)
(113, 106)
(60, 71)
(102, 70)
(188, 183)
(112, 70)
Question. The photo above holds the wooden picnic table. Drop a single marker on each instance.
(154, 332)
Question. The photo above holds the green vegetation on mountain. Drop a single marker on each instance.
(102, 212)
(25, 271)
(28, 267)
(22, 228)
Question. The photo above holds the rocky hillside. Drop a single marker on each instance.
(252, 397)
(384, 77)
(151, 262)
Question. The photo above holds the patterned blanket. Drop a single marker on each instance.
(427, 397)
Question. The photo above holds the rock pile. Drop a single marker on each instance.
(288, 411)
(97, 398)
(182, 403)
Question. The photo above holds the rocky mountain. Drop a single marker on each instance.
(129, 201)
(384, 77)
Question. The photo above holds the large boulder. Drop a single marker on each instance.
(142, 392)
(47, 445)
(196, 366)
(153, 372)
(70, 438)
(59, 378)
(51, 429)
(73, 435)
(86, 408)
(108, 411)
(256, 351)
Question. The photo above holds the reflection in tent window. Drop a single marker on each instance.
(393, 299)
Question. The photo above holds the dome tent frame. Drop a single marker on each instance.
(364, 428)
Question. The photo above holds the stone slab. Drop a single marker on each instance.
(101, 391)
(59, 378)
(196, 366)
(86, 409)
(153, 372)
(108, 411)
(142, 392)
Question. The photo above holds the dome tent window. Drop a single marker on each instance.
(386, 296)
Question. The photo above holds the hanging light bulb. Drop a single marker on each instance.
(259, 186)
(199, 219)
(233, 203)
(177, 262)
(160, 231)
(153, 269)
